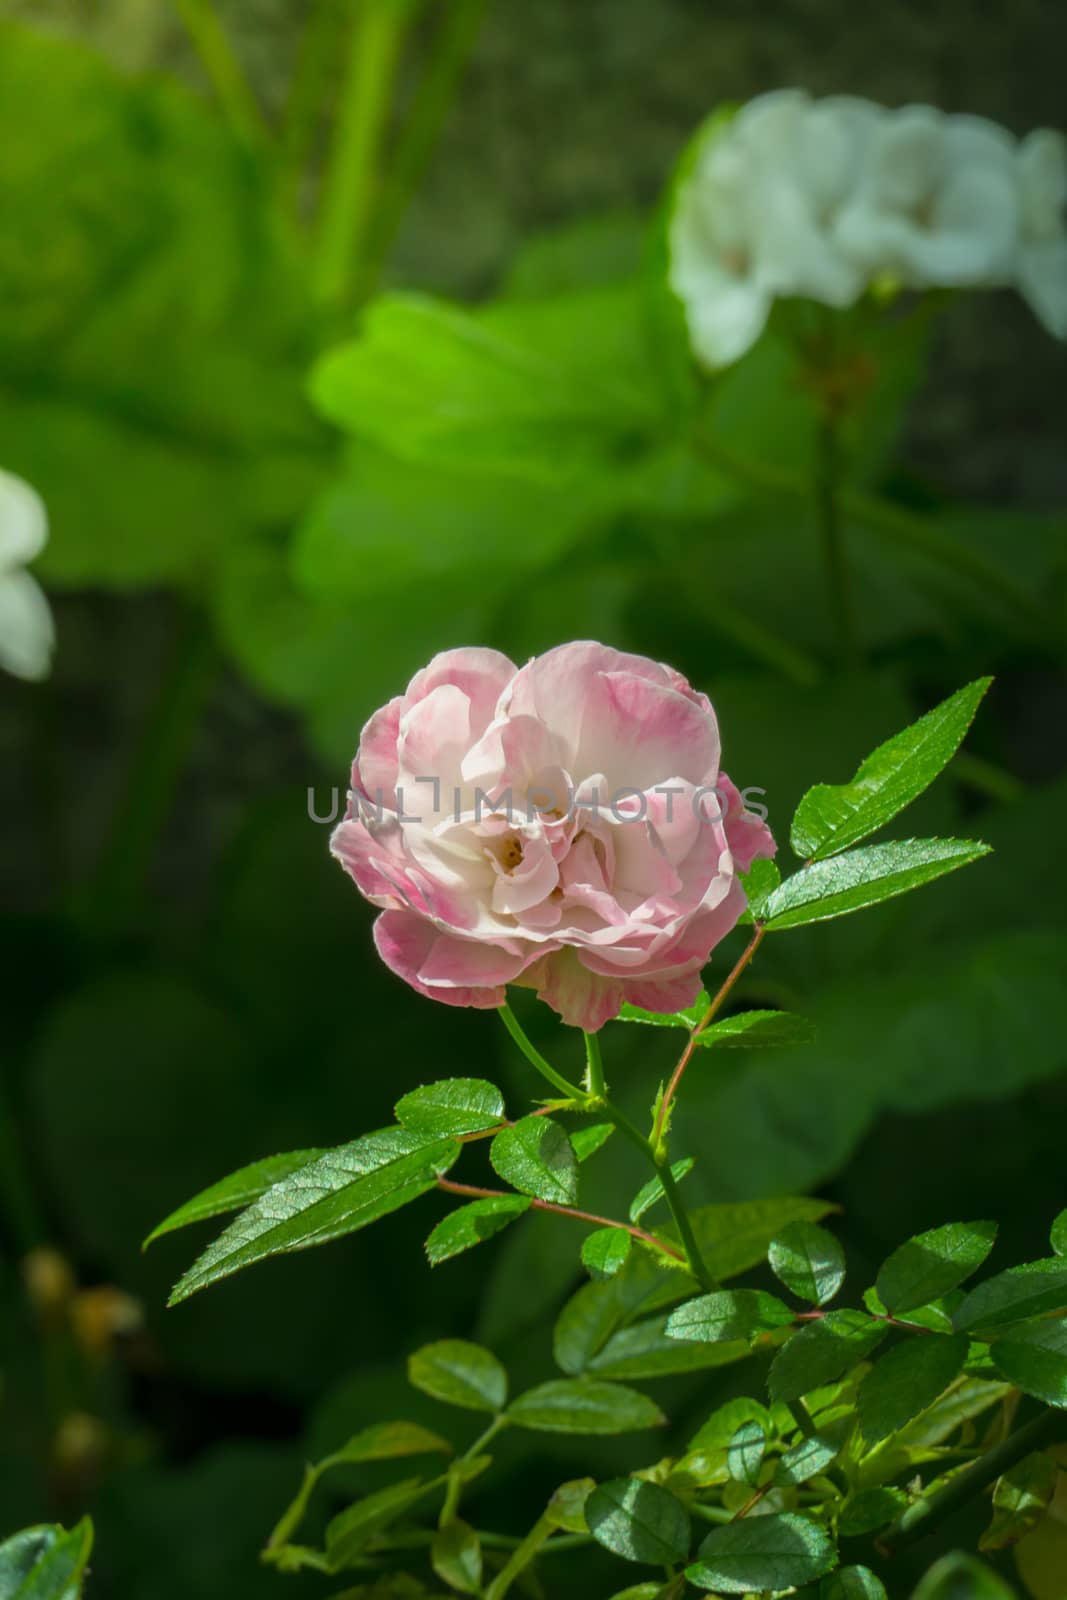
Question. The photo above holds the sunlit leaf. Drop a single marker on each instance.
(240, 1189)
(344, 1190)
(45, 1562)
(821, 1352)
(831, 817)
(639, 1521)
(451, 1108)
(763, 1553)
(729, 1314)
(808, 1260)
(605, 1251)
(536, 1157)
(745, 1452)
(1014, 1295)
(933, 1263)
(864, 877)
(471, 1224)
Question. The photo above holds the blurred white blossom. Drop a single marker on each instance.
(26, 632)
(823, 198)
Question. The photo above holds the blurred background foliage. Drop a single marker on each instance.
(262, 525)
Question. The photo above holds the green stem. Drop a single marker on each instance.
(308, 92)
(143, 807)
(802, 1417)
(694, 1259)
(663, 1113)
(455, 41)
(594, 1072)
(496, 1426)
(697, 1264)
(831, 534)
(352, 169)
(222, 68)
(926, 1515)
(897, 526)
(534, 1056)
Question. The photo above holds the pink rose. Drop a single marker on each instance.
(564, 826)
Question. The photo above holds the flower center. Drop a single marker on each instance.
(508, 850)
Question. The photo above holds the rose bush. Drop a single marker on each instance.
(565, 826)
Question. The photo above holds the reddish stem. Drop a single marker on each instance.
(709, 1016)
(474, 1193)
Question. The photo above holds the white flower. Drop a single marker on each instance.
(1042, 266)
(26, 632)
(823, 199)
(937, 204)
(750, 220)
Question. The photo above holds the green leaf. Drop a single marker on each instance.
(540, 388)
(806, 1460)
(240, 1189)
(536, 1157)
(639, 1521)
(745, 1452)
(869, 1510)
(932, 1264)
(460, 1374)
(732, 1238)
(456, 1557)
(349, 1533)
(729, 1314)
(648, 1591)
(821, 1352)
(344, 1190)
(852, 1583)
(745, 1030)
(386, 1441)
(471, 1224)
(172, 322)
(758, 1030)
(687, 1018)
(906, 1380)
(862, 878)
(759, 883)
(645, 1350)
(45, 1562)
(652, 1191)
(1020, 1499)
(1035, 1358)
(1014, 1296)
(773, 1552)
(1058, 1235)
(719, 1429)
(809, 1261)
(831, 817)
(451, 1108)
(566, 1509)
(961, 1577)
(383, 1441)
(737, 1236)
(605, 1251)
(584, 1405)
(587, 1141)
